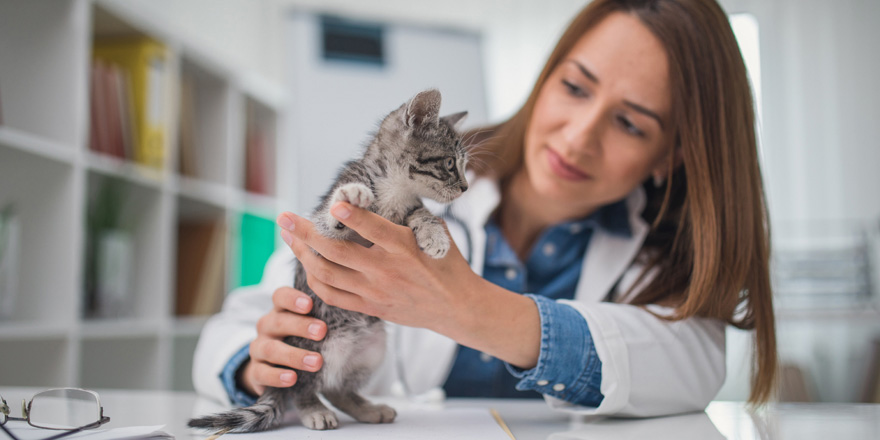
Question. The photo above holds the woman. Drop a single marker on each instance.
(625, 198)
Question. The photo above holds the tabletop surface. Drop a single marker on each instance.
(533, 419)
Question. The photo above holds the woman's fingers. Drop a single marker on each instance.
(281, 324)
(295, 228)
(260, 375)
(337, 297)
(380, 231)
(276, 353)
(325, 270)
(290, 299)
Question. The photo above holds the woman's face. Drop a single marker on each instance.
(601, 120)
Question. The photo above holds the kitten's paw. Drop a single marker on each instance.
(320, 420)
(376, 414)
(357, 194)
(432, 239)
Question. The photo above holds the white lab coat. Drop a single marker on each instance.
(650, 367)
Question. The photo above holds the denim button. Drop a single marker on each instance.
(542, 383)
(485, 357)
(510, 274)
(549, 249)
(558, 387)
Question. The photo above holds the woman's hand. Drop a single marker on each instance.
(269, 354)
(395, 281)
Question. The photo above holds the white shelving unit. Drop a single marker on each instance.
(48, 172)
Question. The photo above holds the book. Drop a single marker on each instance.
(187, 141)
(259, 176)
(110, 108)
(98, 140)
(201, 254)
(145, 63)
(256, 245)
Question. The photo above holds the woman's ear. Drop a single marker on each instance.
(661, 172)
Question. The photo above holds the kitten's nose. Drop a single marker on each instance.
(464, 187)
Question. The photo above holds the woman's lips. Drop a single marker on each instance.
(563, 169)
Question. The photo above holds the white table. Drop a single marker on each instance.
(533, 419)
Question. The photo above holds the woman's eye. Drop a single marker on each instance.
(573, 89)
(450, 164)
(629, 127)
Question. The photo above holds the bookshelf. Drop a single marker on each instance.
(217, 166)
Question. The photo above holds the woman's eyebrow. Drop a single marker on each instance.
(645, 112)
(641, 109)
(585, 71)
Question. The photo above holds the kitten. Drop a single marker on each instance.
(414, 154)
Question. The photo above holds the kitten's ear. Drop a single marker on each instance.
(455, 119)
(423, 109)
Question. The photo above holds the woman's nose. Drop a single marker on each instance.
(583, 129)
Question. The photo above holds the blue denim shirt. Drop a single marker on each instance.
(572, 372)
(568, 367)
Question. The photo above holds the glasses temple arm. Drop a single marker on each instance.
(103, 420)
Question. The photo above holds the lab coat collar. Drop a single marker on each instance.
(607, 258)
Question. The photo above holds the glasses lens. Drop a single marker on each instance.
(65, 408)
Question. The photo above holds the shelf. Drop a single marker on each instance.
(147, 177)
(20, 331)
(36, 145)
(258, 204)
(130, 363)
(76, 320)
(44, 195)
(95, 329)
(266, 92)
(43, 68)
(203, 191)
(188, 326)
(35, 363)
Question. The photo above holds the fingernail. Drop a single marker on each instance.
(287, 378)
(286, 236)
(285, 222)
(340, 212)
(314, 329)
(302, 304)
(311, 360)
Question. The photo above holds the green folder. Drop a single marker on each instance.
(257, 244)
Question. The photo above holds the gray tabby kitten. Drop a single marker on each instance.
(414, 154)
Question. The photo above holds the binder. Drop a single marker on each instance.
(145, 63)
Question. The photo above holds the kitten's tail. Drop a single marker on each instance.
(265, 414)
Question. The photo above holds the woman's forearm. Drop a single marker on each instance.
(496, 321)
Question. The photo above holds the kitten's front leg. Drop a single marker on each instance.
(429, 231)
(355, 193)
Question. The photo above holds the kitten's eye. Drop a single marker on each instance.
(450, 164)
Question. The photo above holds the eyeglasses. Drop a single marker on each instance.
(69, 409)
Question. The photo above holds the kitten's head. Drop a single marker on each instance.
(433, 156)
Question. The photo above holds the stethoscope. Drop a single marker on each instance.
(451, 219)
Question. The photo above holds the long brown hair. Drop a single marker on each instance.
(709, 244)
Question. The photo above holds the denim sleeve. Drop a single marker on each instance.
(229, 375)
(568, 367)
